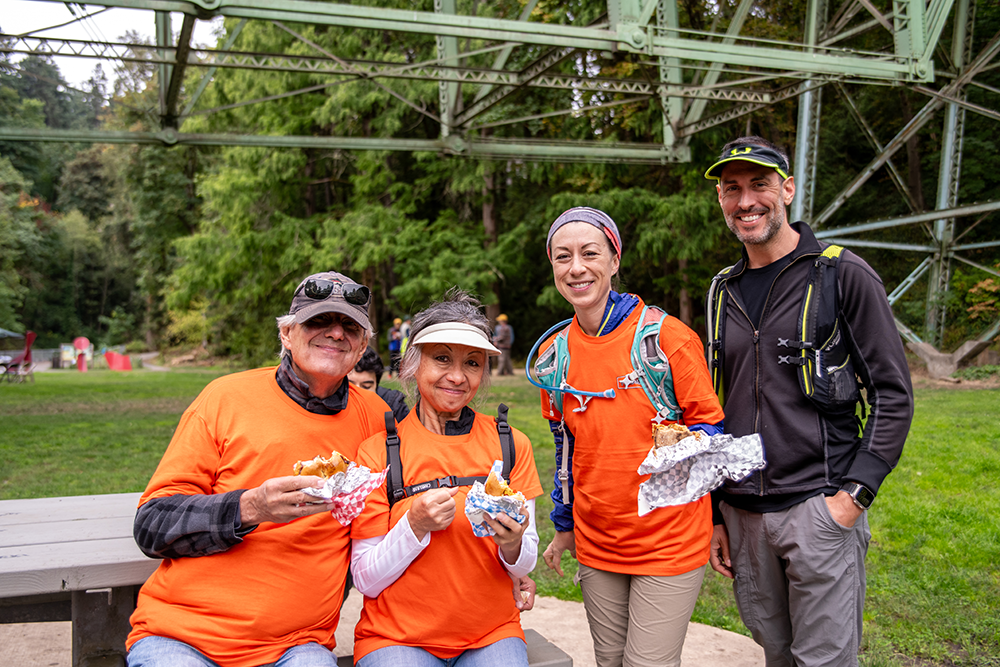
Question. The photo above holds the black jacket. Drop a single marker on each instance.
(808, 452)
(396, 401)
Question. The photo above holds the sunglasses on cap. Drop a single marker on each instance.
(320, 290)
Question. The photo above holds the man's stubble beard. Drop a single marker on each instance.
(774, 219)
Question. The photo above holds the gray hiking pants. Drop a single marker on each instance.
(800, 582)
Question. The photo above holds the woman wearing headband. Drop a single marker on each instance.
(435, 593)
(640, 576)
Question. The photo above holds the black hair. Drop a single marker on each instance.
(370, 363)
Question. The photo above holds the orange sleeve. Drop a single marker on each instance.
(692, 382)
(190, 464)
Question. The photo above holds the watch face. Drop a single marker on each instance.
(864, 496)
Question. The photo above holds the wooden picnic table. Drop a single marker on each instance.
(73, 559)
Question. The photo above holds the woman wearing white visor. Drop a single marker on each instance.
(435, 594)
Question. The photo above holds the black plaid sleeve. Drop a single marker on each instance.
(189, 526)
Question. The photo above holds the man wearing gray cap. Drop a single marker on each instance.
(796, 327)
(254, 568)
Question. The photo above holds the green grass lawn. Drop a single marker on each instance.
(933, 566)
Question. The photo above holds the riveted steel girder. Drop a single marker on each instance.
(902, 66)
(530, 77)
(562, 151)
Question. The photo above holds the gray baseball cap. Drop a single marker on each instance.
(331, 292)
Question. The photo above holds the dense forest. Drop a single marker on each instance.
(160, 247)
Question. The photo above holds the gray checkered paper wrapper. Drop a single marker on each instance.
(348, 491)
(478, 503)
(685, 472)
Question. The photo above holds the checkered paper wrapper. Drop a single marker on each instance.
(348, 491)
(478, 503)
(685, 472)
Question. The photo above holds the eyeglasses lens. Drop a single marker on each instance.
(322, 289)
(318, 289)
(356, 294)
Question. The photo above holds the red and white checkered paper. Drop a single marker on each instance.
(347, 506)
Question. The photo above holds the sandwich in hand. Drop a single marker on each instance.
(496, 486)
(322, 467)
(667, 435)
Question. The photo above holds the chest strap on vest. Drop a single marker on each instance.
(794, 361)
(395, 478)
(395, 491)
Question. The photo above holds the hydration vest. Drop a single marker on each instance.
(650, 370)
(395, 491)
(826, 374)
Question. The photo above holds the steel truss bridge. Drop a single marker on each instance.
(705, 78)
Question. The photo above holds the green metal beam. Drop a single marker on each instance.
(904, 66)
(981, 267)
(786, 93)
(884, 245)
(525, 78)
(207, 77)
(952, 138)
(697, 108)
(164, 43)
(531, 77)
(916, 218)
(866, 129)
(975, 246)
(920, 119)
(169, 118)
(670, 73)
(501, 59)
(581, 151)
(910, 280)
(807, 130)
(447, 51)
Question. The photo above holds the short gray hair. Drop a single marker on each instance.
(286, 322)
(456, 306)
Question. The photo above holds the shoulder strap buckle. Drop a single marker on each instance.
(446, 482)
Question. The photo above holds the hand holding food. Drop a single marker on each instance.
(345, 484)
(507, 533)
(277, 500)
(487, 503)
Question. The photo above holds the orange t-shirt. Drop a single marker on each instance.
(613, 436)
(284, 584)
(456, 594)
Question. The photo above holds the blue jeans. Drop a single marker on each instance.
(165, 652)
(510, 652)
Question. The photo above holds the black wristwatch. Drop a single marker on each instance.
(860, 494)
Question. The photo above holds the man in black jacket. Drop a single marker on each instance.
(794, 535)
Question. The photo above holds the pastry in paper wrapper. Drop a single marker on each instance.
(348, 490)
(691, 468)
(480, 502)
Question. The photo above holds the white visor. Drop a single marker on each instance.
(456, 333)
